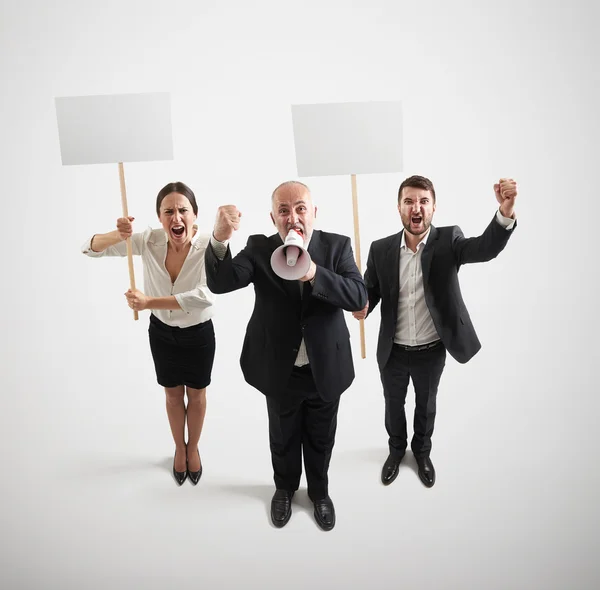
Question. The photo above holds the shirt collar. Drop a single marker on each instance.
(196, 236)
(421, 244)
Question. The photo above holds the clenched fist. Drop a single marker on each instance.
(136, 299)
(362, 314)
(125, 227)
(227, 221)
(506, 193)
(310, 275)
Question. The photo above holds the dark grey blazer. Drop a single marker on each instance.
(446, 250)
(283, 315)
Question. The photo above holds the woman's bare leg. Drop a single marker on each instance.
(196, 410)
(176, 414)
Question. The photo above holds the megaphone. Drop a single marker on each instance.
(291, 261)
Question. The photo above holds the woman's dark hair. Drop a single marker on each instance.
(176, 187)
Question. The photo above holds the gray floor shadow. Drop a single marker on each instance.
(262, 493)
(374, 455)
(101, 466)
(409, 462)
(166, 464)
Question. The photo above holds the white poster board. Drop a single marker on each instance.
(348, 138)
(114, 128)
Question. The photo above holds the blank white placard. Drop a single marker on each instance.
(348, 138)
(114, 128)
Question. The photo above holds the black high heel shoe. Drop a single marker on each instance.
(180, 476)
(195, 475)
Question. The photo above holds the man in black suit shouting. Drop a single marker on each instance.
(414, 274)
(297, 346)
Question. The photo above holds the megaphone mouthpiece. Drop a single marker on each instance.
(291, 255)
(291, 260)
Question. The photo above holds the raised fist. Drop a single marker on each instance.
(227, 221)
(125, 227)
(506, 193)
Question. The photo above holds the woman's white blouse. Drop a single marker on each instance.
(190, 288)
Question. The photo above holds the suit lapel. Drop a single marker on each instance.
(392, 262)
(317, 248)
(427, 255)
(318, 254)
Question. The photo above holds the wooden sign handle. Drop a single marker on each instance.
(363, 353)
(128, 241)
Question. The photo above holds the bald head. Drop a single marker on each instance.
(292, 208)
(290, 185)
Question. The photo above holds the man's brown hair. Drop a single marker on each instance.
(417, 182)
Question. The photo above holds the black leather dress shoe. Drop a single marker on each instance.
(426, 471)
(325, 513)
(180, 476)
(281, 507)
(195, 475)
(389, 471)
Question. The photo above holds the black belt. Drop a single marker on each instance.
(419, 347)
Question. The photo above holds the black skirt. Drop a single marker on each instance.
(182, 356)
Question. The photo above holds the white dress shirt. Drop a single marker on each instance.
(190, 289)
(415, 325)
(220, 249)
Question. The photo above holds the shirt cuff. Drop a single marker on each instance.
(506, 222)
(220, 248)
(86, 248)
(182, 303)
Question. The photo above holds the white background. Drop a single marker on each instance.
(488, 90)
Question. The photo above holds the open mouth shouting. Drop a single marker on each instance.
(416, 220)
(178, 231)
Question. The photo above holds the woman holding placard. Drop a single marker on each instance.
(181, 332)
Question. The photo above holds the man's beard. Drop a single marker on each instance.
(423, 226)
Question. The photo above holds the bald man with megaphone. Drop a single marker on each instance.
(297, 347)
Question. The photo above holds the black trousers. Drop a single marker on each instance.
(302, 423)
(425, 368)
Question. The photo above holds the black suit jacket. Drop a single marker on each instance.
(283, 315)
(446, 250)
